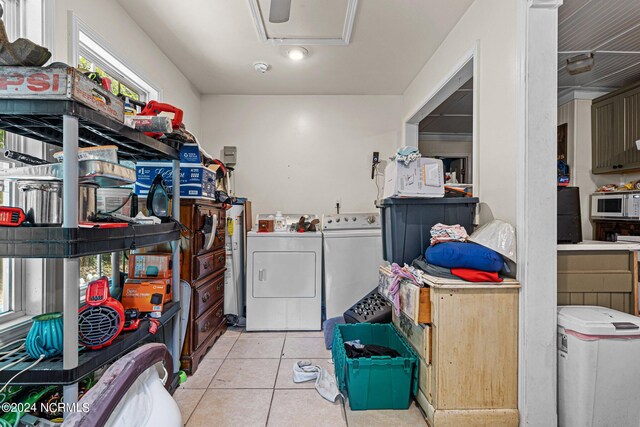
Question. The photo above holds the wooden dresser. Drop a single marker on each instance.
(468, 350)
(203, 266)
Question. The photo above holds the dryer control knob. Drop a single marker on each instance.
(371, 219)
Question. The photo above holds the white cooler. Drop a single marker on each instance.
(598, 367)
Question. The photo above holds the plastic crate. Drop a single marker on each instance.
(407, 222)
(379, 382)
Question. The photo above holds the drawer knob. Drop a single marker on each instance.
(219, 286)
(205, 327)
(221, 258)
(206, 297)
(206, 265)
(219, 312)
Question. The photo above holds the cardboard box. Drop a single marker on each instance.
(146, 297)
(196, 181)
(59, 83)
(150, 266)
(423, 177)
(166, 283)
(190, 154)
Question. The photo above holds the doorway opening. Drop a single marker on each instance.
(444, 128)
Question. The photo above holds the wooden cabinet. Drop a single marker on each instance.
(604, 278)
(203, 261)
(615, 128)
(468, 354)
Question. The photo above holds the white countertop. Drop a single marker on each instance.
(595, 245)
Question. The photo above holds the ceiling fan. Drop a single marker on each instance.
(279, 11)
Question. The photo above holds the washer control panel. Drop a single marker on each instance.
(351, 221)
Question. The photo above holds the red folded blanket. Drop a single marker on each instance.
(476, 275)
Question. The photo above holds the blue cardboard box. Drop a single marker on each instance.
(196, 181)
(190, 153)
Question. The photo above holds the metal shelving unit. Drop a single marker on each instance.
(50, 371)
(72, 125)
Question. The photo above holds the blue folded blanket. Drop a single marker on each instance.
(464, 255)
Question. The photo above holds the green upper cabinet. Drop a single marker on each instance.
(615, 128)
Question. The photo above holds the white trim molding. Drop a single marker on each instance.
(545, 4)
(537, 86)
(263, 35)
(466, 68)
(585, 93)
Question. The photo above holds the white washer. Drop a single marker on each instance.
(284, 279)
(352, 256)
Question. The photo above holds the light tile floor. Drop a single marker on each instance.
(246, 380)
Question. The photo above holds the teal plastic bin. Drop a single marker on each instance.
(379, 382)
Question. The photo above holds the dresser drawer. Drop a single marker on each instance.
(207, 323)
(208, 228)
(205, 242)
(204, 265)
(418, 335)
(415, 302)
(204, 214)
(207, 294)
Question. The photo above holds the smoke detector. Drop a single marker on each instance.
(261, 67)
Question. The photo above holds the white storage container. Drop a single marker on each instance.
(598, 367)
(421, 178)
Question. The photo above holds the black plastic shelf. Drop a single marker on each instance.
(58, 242)
(42, 120)
(49, 371)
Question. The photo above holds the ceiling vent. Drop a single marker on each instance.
(299, 16)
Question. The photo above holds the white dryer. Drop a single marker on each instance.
(284, 279)
(352, 256)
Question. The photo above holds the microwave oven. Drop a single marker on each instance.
(616, 205)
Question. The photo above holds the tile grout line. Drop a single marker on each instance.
(207, 388)
(273, 391)
(195, 407)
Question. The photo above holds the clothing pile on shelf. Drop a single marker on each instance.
(481, 257)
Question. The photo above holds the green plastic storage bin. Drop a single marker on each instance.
(379, 382)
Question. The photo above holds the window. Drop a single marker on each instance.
(10, 299)
(93, 54)
(117, 87)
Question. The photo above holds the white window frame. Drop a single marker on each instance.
(87, 43)
(32, 19)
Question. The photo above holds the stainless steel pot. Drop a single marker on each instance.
(41, 201)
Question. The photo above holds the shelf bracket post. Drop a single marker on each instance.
(176, 336)
(71, 266)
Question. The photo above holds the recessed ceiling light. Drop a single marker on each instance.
(297, 53)
(261, 67)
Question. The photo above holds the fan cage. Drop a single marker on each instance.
(97, 325)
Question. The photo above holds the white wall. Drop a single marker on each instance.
(577, 115)
(302, 153)
(109, 20)
(492, 23)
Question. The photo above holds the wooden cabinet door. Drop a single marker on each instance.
(631, 128)
(607, 145)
